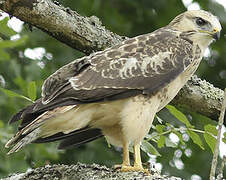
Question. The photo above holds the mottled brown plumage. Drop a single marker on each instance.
(117, 92)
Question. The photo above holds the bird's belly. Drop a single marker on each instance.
(107, 118)
(127, 120)
(137, 117)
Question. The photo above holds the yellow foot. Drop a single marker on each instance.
(117, 166)
(120, 166)
(134, 169)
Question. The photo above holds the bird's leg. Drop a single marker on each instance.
(137, 158)
(126, 161)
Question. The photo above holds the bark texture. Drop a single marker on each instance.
(85, 34)
(200, 96)
(84, 172)
(88, 35)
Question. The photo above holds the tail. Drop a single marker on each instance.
(33, 130)
(73, 139)
(60, 123)
(27, 134)
(21, 141)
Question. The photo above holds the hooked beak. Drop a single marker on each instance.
(216, 34)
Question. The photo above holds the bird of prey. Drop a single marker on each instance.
(116, 93)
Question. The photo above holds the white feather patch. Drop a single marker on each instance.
(127, 70)
(154, 62)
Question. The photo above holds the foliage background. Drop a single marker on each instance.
(124, 17)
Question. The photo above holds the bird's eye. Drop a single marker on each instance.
(200, 21)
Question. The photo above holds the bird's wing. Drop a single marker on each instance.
(140, 65)
(143, 64)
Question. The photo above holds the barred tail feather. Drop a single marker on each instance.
(34, 129)
(61, 123)
(22, 142)
(26, 131)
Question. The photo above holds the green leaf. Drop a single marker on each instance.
(159, 119)
(19, 81)
(169, 125)
(148, 148)
(31, 90)
(210, 140)
(161, 141)
(13, 43)
(5, 29)
(195, 138)
(224, 138)
(1, 124)
(179, 115)
(179, 135)
(211, 129)
(4, 55)
(13, 94)
(159, 128)
(203, 120)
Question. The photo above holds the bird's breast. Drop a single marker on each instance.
(166, 94)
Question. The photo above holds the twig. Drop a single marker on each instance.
(216, 151)
(177, 129)
(220, 175)
(2, 81)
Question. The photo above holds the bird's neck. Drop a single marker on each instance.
(203, 43)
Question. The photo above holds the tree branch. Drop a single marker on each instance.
(82, 33)
(217, 145)
(200, 96)
(88, 35)
(83, 171)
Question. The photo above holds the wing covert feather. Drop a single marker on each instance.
(145, 63)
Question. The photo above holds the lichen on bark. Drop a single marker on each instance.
(85, 172)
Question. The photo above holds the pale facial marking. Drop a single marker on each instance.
(203, 35)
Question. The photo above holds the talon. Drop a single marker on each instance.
(117, 166)
(134, 169)
(140, 168)
(125, 168)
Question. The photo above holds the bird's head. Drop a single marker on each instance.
(200, 26)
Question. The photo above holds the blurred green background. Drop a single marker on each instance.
(27, 56)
